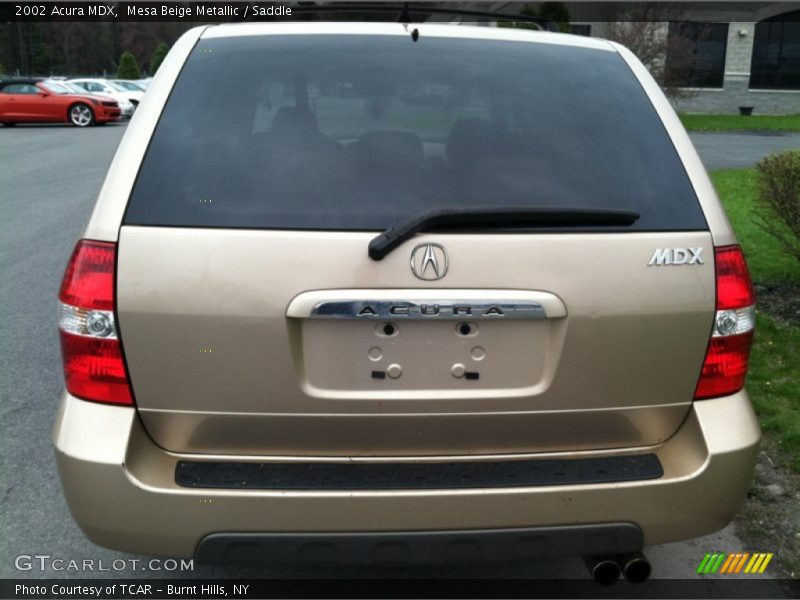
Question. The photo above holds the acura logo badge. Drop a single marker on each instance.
(429, 262)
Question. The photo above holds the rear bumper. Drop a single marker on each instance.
(420, 547)
(121, 490)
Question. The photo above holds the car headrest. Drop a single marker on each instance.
(389, 148)
(468, 139)
(291, 120)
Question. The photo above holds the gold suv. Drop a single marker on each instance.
(356, 293)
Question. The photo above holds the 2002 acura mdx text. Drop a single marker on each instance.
(349, 293)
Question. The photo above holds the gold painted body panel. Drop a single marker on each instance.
(218, 367)
(708, 465)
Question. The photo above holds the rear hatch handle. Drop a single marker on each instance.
(378, 304)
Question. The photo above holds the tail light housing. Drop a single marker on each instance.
(94, 368)
(725, 365)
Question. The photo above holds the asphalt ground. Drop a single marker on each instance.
(49, 179)
(738, 149)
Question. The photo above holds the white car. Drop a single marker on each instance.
(109, 88)
(125, 106)
(131, 86)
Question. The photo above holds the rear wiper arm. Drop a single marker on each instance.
(494, 216)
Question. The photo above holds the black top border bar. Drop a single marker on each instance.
(200, 12)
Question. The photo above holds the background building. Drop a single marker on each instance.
(712, 57)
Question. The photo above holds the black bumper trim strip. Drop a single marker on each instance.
(471, 546)
(416, 475)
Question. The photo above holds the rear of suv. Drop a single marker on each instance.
(357, 292)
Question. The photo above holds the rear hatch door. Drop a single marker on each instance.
(254, 322)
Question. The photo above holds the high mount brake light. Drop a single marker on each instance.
(93, 365)
(725, 365)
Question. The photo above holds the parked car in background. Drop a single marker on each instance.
(125, 106)
(40, 101)
(131, 86)
(109, 88)
(144, 83)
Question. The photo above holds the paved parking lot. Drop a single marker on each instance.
(49, 178)
(740, 149)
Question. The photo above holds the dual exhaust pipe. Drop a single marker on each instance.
(605, 570)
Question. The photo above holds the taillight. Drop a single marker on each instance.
(93, 364)
(725, 365)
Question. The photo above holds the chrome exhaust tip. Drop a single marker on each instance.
(604, 570)
(635, 566)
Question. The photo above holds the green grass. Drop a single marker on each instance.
(773, 381)
(774, 375)
(767, 262)
(694, 122)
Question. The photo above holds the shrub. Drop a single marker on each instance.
(779, 199)
(158, 57)
(128, 67)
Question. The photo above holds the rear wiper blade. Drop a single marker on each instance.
(494, 216)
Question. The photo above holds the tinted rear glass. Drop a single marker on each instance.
(358, 132)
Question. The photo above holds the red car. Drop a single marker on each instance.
(39, 101)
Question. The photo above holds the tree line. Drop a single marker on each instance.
(129, 50)
(135, 49)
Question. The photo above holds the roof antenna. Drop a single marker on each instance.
(405, 16)
(405, 19)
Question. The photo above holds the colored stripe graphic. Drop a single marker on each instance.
(759, 562)
(749, 567)
(710, 566)
(718, 562)
(741, 562)
(754, 564)
(766, 562)
(703, 563)
(730, 564)
(710, 563)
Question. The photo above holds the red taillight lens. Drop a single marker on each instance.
(94, 369)
(89, 279)
(734, 288)
(725, 365)
(93, 365)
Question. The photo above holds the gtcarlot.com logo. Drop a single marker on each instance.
(737, 563)
(46, 562)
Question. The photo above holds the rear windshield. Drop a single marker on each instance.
(357, 132)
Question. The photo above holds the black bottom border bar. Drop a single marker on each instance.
(211, 589)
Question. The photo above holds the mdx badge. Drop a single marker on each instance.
(676, 256)
(429, 262)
